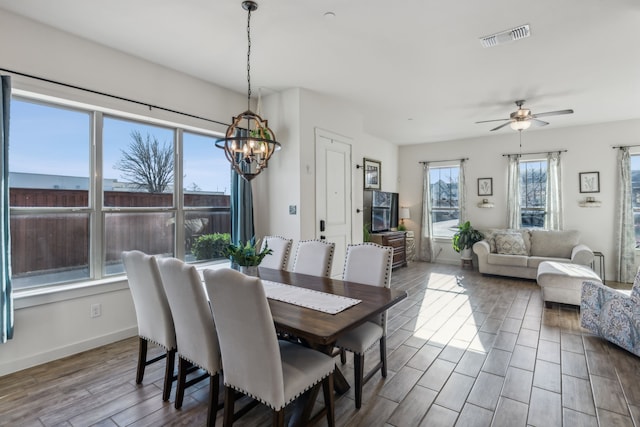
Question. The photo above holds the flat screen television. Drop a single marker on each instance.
(381, 210)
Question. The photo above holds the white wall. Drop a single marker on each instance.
(54, 325)
(589, 150)
(295, 115)
(51, 326)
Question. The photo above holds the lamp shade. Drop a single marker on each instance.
(404, 213)
(520, 124)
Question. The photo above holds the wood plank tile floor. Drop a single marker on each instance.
(464, 350)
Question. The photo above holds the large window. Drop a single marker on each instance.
(444, 201)
(85, 186)
(533, 192)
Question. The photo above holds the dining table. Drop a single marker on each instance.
(320, 330)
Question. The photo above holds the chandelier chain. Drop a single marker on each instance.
(249, 59)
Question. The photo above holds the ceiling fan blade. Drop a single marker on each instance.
(538, 123)
(495, 120)
(552, 113)
(502, 125)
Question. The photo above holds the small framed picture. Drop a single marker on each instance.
(589, 182)
(372, 174)
(485, 186)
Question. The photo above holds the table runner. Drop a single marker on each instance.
(308, 298)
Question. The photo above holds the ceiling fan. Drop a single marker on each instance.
(522, 118)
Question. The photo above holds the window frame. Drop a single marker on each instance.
(95, 208)
(544, 210)
(433, 209)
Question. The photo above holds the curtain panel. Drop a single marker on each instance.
(554, 217)
(426, 243)
(242, 227)
(462, 191)
(513, 192)
(625, 234)
(6, 292)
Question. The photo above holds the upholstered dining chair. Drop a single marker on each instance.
(195, 330)
(279, 258)
(314, 257)
(367, 263)
(155, 322)
(256, 363)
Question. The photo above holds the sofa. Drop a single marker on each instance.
(518, 253)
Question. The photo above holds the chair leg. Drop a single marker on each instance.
(327, 389)
(278, 418)
(142, 359)
(383, 356)
(343, 356)
(183, 367)
(214, 383)
(168, 374)
(358, 373)
(229, 403)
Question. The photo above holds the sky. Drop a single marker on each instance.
(56, 141)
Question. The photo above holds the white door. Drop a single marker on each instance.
(333, 193)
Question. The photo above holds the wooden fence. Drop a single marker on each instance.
(54, 242)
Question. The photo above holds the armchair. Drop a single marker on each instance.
(612, 314)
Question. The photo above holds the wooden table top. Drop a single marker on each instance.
(322, 328)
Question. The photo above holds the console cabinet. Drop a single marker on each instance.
(395, 239)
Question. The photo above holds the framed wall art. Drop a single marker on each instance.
(372, 174)
(589, 182)
(485, 186)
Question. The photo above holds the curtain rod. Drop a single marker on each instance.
(625, 146)
(424, 162)
(539, 152)
(150, 106)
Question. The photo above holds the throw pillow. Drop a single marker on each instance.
(556, 244)
(510, 244)
(489, 236)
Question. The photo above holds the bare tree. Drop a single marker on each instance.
(147, 164)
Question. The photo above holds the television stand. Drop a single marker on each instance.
(395, 239)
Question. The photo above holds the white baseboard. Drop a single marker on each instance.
(67, 350)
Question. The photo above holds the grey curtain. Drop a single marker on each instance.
(513, 192)
(242, 228)
(426, 249)
(554, 218)
(241, 209)
(462, 191)
(6, 294)
(625, 234)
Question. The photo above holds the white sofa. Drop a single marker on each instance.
(518, 253)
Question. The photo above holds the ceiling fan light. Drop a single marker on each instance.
(520, 124)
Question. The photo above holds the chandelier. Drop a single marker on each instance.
(248, 148)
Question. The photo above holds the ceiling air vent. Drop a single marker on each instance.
(506, 36)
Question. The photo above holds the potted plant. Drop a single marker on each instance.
(246, 257)
(465, 238)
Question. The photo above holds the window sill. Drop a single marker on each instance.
(26, 298)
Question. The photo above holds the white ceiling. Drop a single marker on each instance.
(414, 68)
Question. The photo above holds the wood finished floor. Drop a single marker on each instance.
(463, 349)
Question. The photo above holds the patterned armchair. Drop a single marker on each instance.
(612, 314)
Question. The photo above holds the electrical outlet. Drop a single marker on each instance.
(96, 310)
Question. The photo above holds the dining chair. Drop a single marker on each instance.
(256, 363)
(195, 329)
(279, 258)
(155, 322)
(370, 264)
(314, 257)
